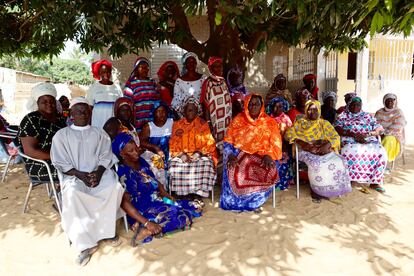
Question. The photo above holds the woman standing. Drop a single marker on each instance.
(393, 121)
(366, 157)
(188, 85)
(237, 90)
(167, 75)
(142, 91)
(216, 101)
(319, 143)
(102, 94)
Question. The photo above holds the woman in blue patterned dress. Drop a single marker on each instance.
(148, 196)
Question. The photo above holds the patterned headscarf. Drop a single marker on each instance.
(300, 92)
(184, 59)
(119, 143)
(97, 65)
(273, 102)
(125, 101)
(139, 61)
(309, 104)
(164, 66)
(328, 94)
(191, 100)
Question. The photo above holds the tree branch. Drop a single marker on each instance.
(181, 25)
(211, 15)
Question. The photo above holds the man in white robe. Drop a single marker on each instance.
(91, 192)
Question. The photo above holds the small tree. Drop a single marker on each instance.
(237, 29)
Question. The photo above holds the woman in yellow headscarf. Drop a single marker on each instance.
(252, 147)
(319, 143)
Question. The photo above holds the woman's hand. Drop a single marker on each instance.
(160, 153)
(185, 158)
(325, 148)
(268, 162)
(153, 228)
(231, 161)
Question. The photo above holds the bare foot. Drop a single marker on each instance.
(140, 234)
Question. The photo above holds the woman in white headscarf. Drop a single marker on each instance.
(37, 129)
(188, 84)
(393, 121)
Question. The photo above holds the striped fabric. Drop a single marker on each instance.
(144, 95)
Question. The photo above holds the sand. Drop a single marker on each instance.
(358, 234)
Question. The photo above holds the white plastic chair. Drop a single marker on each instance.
(295, 153)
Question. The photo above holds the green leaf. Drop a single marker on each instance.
(388, 4)
(218, 18)
(374, 24)
(404, 21)
(372, 4)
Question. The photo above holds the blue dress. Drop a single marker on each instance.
(146, 198)
(244, 188)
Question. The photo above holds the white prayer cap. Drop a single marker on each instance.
(39, 90)
(78, 100)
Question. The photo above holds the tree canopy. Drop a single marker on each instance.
(237, 29)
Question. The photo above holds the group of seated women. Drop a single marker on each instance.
(209, 131)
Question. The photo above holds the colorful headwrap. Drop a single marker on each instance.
(300, 92)
(271, 104)
(349, 95)
(158, 104)
(139, 61)
(184, 59)
(125, 101)
(313, 102)
(314, 92)
(309, 77)
(119, 143)
(355, 99)
(328, 94)
(164, 66)
(97, 65)
(212, 60)
(191, 100)
(389, 96)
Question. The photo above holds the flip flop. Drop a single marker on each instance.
(379, 189)
(115, 241)
(316, 200)
(85, 256)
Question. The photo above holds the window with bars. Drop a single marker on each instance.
(391, 59)
(301, 62)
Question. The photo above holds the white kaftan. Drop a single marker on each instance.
(88, 214)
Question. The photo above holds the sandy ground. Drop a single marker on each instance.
(358, 235)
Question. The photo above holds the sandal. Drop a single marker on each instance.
(316, 200)
(258, 210)
(85, 256)
(364, 190)
(115, 241)
(379, 189)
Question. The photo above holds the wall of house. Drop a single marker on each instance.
(344, 85)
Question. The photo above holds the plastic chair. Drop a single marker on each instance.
(34, 183)
(9, 135)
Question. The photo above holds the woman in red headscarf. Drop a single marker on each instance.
(167, 75)
(309, 81)
(102, 94)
